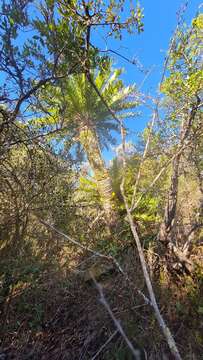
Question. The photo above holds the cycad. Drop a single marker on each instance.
(84, 109)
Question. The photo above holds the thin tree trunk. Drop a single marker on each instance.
(166, 228)
(89, 141)
(167, 231)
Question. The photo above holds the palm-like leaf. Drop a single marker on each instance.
(75, 100)
(79, 108)
(82, 101)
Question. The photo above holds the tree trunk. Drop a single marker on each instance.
(166, 228)
(167, 231)
(90, 143)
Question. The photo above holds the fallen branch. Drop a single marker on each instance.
(73, 241)
(96, 253)
(104, 345)
(136, 352)
(166, 331)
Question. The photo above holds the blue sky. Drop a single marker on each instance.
(150, 47)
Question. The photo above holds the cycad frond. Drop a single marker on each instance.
(79, 99)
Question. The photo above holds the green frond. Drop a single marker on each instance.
(122, 95)
(101, 78)
(80, 101)
(111, 80)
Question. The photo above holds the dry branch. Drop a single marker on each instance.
(136, 352)
(97, 254)
(143, 157)
(166, 331)
(104, 345)
(152, 301)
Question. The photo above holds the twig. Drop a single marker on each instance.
(135, 352)
(36, 87)
(113, 114)
(104, 345)
(73, 241)
(166, 331)
(99, 216)
(96, 253)
(130, 61)
(155, 113)
(143, 157)
(163, 169)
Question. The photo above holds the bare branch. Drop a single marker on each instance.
(143, 158)
(135, 352)
(105, 344)
(34, 89)
(166, 331)
(96, 253)
(89, 77)
(73, 241)
(163, 169)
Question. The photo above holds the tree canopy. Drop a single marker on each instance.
(75, 224)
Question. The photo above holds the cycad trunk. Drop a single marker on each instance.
(90, 143)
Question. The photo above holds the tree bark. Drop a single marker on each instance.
(89, 141)
(166, 228)
(167, 231)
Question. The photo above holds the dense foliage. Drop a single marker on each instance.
(64, 211)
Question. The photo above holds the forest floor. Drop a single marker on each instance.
(59, 316)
